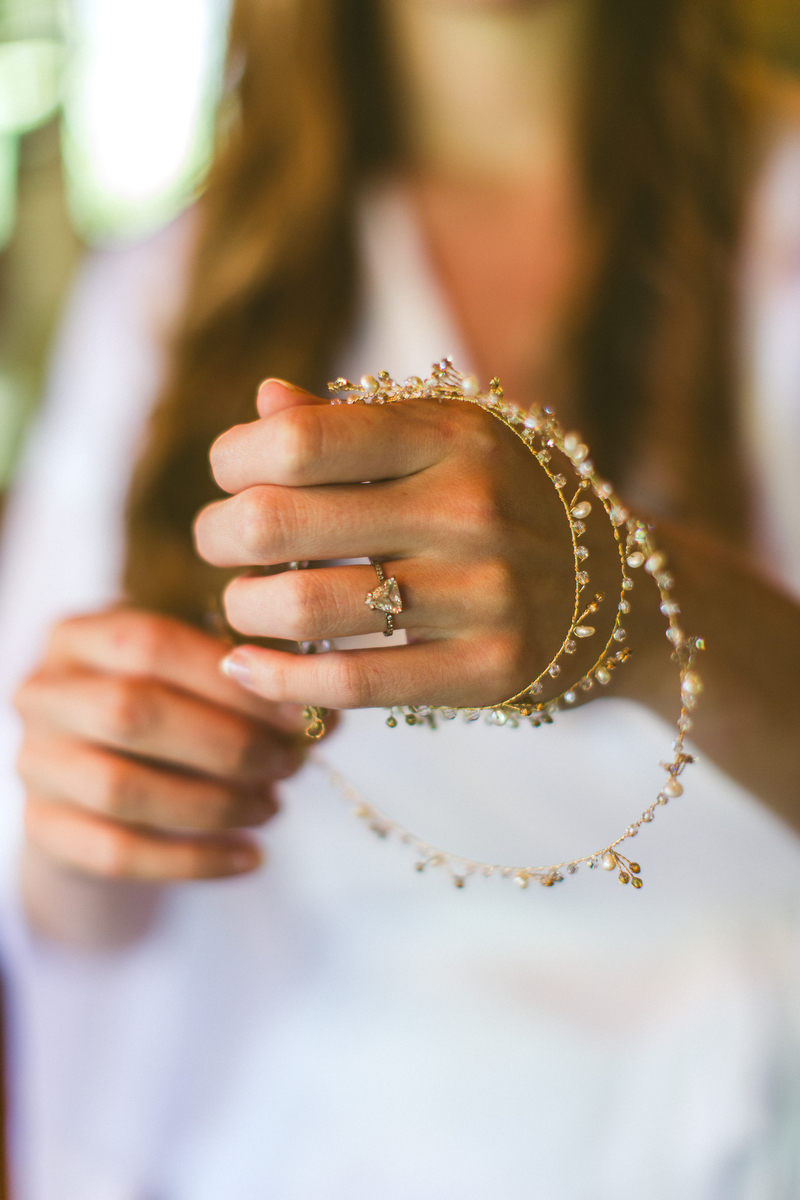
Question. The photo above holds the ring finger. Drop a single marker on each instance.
(330, 602)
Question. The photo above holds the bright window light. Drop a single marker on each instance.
(139, 98)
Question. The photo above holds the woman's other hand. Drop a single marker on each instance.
(141, 761)
(456, 509)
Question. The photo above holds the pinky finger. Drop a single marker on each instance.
(98, 846)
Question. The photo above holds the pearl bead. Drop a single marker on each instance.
(370, 384)
(521, 880)
(654, 563)
(673, 788)
(414, 381)
(582, 510)
(636, 559)
(692, 684)
(583, 631)
(602, 675)
(470, 385)
(609, 860)
(571, 442)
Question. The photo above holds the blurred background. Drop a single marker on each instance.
(106, 127)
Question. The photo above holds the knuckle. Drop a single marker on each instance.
(127, 710)
(303, 604)
(474, 512)
(298, 443)
(140, 641)
(256, 522)
(116, 792)
(497, 582)
(113, 851)
(353, 681)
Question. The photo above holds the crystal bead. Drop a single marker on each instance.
(581, 510)
(647, 816)
(624, 606)
(458, 880)
(602, 675)
(572, 868)
(631, 832)
(620, 635)
(559, 481)
(537, 689)
(684, 723)
(472, 714)
(570, 647)
(636, 559)
(532, 422)
(578, 527)
(619, 516)
(586, 685)
(624, 877)
(674, 634)
(582, 552)
(627, 584)
(448, 713)
(582, 577)
(637, 883)
(554, 670)
(570, 697)
(583, 631)
(413, 381)
(391, 722)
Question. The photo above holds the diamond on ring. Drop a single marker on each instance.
(385, 598)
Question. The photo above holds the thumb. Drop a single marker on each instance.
(275, 395)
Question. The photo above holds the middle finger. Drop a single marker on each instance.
(271, 524)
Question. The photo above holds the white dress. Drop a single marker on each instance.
(337, 1026)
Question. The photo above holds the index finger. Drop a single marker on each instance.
(319, 443)
(130, 642)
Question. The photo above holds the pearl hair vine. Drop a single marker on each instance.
(541, 432)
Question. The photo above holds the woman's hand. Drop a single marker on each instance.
(456, 509)
(141, 761)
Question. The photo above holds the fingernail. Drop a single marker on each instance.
(236, 670)
(291, 716)
(245, 859)
(290, 387)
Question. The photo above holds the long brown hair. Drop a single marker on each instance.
(273, 281)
